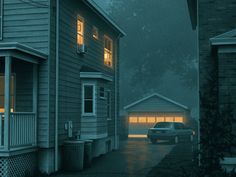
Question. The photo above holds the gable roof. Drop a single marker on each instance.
(159, 96)
(192, 8)
(228, 38)
(92, 5)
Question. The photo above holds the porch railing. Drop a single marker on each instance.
(22, 130)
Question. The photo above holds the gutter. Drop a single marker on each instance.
(116, 92)
(57, 85)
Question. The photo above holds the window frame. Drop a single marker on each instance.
(103, 92)
(93, 113)
(81, 19)
(108, 105)
(109, 51)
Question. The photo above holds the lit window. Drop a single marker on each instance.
(142, 119)
(80, 31)
(95, 33)
(179, 119)
(88, 99)
(12, 93)
(169, 119)
(151, 119)
(133, 119)
(108, 51)
(160, 119)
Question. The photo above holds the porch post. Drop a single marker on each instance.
(7, 102)
(35, 98)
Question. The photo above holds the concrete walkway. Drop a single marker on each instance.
(135, 158)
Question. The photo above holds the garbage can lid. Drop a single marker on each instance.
(74, 142)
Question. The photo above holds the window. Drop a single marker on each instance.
(80, 31)
(88, 99)
(12, 93)
(108, 105)
(102, 92)
(108, 51)
(95, 33)
(1, 9)
(133, 119)
(179, 119)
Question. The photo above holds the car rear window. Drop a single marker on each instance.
(163, 125)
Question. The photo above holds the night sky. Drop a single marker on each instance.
(160, 47)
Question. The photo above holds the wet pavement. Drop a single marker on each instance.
(135, 158)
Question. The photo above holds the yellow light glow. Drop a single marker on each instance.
(137, 136)
(151, 119)
(80, 31)
(2, 110)
(133, 119)
(142, 119)
(160, 119)
(169, 119)
(179, 119)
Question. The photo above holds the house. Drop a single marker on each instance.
(144, 113)
(215, 23)
(59, 65)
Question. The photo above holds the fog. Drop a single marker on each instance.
(159, 52)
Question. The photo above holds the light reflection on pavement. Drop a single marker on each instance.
(134, 159)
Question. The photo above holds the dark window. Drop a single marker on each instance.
(88, 99)
(179, 126)
(102, 92)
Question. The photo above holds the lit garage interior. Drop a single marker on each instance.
(144, 113)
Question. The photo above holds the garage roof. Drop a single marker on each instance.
(159, 96)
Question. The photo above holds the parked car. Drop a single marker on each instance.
(172, 131)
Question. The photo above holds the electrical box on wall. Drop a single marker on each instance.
(69, 128)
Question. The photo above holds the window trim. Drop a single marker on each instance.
(108, 118)
(94, 99)
(80, 18)
(106, 37)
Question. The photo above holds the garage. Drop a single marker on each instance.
(144, 113)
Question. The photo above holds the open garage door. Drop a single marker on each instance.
(139, 125)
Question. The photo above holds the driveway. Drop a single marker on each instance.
(134, 159)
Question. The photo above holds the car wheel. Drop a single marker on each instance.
(153, 141)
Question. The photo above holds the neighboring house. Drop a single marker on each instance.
(144, 113)
(58, 79)
(215, 23)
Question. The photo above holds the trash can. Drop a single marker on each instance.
(73, 155)
(88, 153)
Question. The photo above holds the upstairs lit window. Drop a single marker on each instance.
(80, 31)
(108, 45)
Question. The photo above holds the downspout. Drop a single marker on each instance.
(116, 91)
(57, 85)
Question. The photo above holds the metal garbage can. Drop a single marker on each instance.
(73, 155)
(88, 153)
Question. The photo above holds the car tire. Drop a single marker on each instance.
(153, 141)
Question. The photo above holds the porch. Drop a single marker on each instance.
(18, 97)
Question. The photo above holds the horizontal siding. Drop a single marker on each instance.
(27, 24)
(155, 104)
